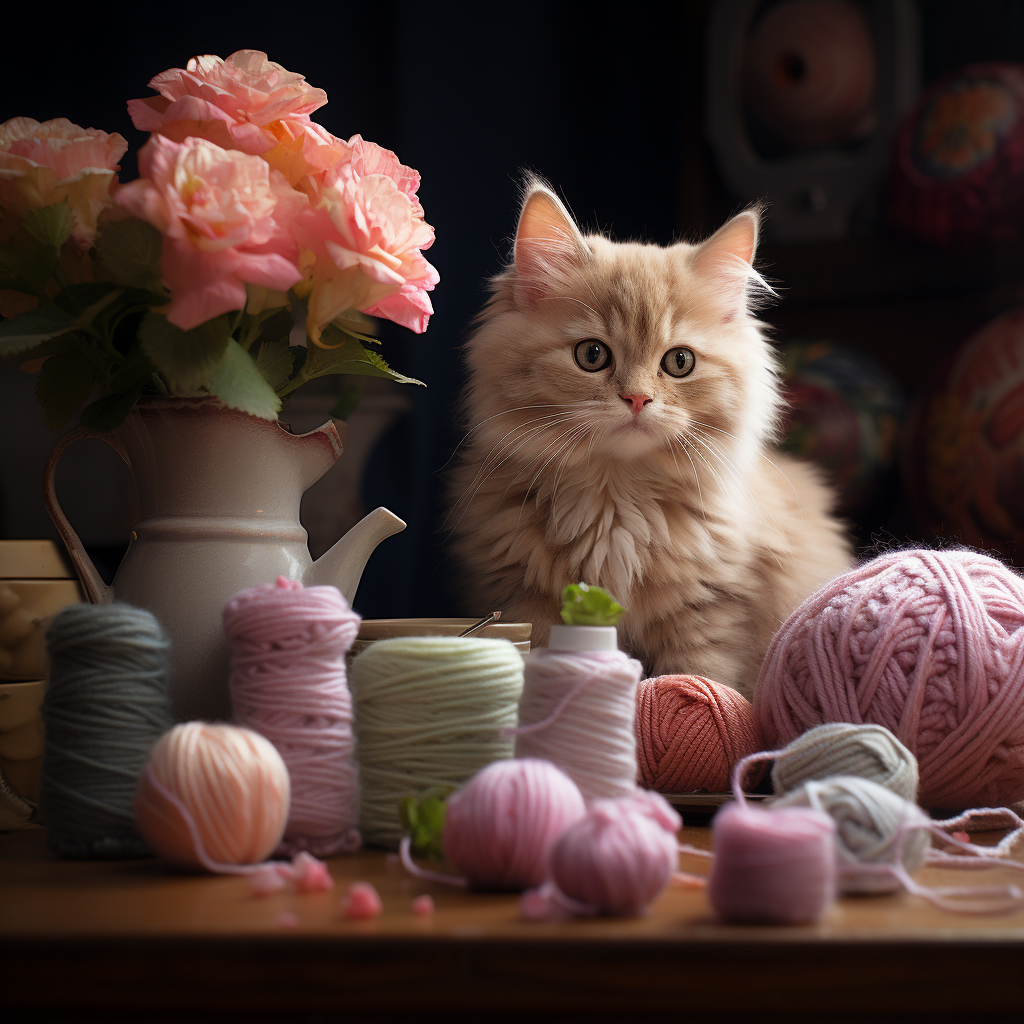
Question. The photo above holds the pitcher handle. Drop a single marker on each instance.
(95, 589)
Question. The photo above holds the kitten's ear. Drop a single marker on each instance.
(547, 243)
(725, 259)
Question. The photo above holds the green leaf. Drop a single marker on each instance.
(237, 381)
(26, 330)
(65, 382)
(128, 252)
(583, 605)
(75, 299)
(50, 225)
(275, 362)
(276, 326)
(423, 818)
(32, 269)
(185, 358)
(348, 357)
(347, 402)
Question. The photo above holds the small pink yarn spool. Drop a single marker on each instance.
(501, 825)
(288, 645)
(213, 796)
(619, 857)
(929, 644)
(772, 866)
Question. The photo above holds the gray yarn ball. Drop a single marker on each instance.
(839, 748)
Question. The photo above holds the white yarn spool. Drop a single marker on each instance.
(429, 712)
(577, 711)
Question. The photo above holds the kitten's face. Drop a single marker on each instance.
(621, 351)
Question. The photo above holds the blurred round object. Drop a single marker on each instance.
(845, 414)
(964, 463)
(959, 160)
(809, 73)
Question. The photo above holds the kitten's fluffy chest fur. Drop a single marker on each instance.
(622, 402)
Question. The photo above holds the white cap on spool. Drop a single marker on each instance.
(583, 638)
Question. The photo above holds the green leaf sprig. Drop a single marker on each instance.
(584, 605)
(422, 818)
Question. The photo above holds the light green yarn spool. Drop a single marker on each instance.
(429, 711)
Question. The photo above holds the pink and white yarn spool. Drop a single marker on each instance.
(288, 682)
(577, 711)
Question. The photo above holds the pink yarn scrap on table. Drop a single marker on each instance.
(288, 682)
(929, 644)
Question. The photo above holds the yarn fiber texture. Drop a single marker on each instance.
(429, 712)
(288, 683)
(501, 825)
(619, 856)
(838, 748)
(577, 711)
(690, 731)
(106, 704)
(928, 644)
(213, 795)
(874, 826)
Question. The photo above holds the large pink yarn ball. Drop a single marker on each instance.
(929, 644)
(620, 855)
(501, 825)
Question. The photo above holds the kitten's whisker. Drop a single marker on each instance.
(696, 479)
(757, 451)
(526, 496)
(514, 446)
(565, 462)
(504, 412)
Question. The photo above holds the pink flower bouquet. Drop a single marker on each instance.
(189, 280)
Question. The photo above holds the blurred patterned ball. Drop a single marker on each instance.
(845, 413)
(958, 168)
(964, 462)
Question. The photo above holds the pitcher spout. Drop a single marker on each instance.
(342, 566)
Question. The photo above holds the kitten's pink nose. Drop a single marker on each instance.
(637, 401)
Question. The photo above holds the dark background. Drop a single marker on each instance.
(604, 100)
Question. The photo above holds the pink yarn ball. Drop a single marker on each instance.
(772, 866)
(500, 826)
(231, 782)
(620, 855)
(929, 644)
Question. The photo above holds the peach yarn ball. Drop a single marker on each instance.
(231, 781)
(929, 644)
(690, 731)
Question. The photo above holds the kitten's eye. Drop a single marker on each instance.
(678, 362)
(592, 355)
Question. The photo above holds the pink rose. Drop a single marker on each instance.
(48, 163)
(364, 238)
(246, 103)
(224, 216)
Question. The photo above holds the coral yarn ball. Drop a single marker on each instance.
(929, 644)
(958, 172)
(500, 826)
(690, 731)
(620, 855)
(231, 781)
(965, 451)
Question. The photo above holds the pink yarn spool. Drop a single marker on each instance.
(690, 732)
(772, 866)
(288, 645)
(928, 644)
(619, 857)
(501, 825)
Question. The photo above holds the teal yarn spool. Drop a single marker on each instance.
(106, 705)
(429, 712)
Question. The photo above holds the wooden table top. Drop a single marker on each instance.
(135, 935)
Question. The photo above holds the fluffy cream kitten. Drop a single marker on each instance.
(623, 402)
